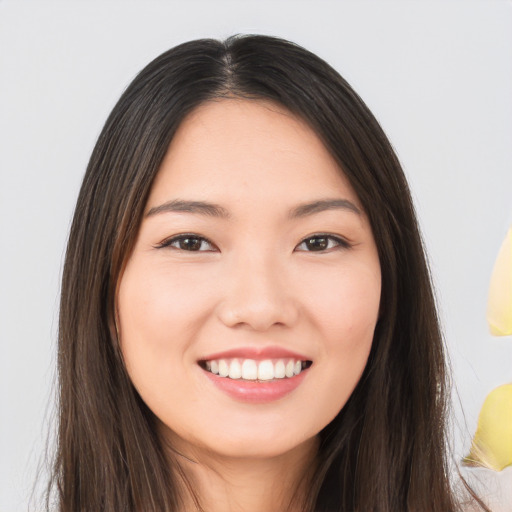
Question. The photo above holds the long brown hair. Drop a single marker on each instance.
(386, 449)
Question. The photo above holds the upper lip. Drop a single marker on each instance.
(256, 353)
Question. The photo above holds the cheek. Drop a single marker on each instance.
(344, 309)
(157, 318)
(345, 305)
(156, 305)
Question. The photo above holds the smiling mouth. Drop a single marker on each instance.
(253, 370)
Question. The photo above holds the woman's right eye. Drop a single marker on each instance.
(191, 243)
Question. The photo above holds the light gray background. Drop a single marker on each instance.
(437, 74)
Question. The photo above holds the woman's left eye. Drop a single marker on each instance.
(191, 243)
(320, 243)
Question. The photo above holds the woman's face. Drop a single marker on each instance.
(247, 309)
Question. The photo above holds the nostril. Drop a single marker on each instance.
(257, 316)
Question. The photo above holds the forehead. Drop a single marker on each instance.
(253, 148)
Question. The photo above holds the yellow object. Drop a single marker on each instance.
(492, 444)
(499, 306)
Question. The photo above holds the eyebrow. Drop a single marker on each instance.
(215, 210)
(201, 207)
(306, 209)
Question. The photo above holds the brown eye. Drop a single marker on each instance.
(319, 243)
(190, 243)
(316, 243)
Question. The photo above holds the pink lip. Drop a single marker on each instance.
(256, 392)
(256, 353)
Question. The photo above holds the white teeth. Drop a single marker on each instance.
(279, 370)
(265, 370)
(249, 369)
(289, 369)
(223, 368)
(235, 369)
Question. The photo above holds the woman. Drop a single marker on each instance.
(247, 320)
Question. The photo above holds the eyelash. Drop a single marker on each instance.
(181, 238)
(339, 243)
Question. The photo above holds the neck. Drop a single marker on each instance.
(248, 485)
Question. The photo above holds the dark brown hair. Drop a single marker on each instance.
(386, 449)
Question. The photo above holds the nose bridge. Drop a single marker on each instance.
(256, 293)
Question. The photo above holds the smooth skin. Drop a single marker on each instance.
(256, 270)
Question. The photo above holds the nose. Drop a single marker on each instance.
(257, 296)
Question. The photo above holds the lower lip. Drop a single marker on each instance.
(257, 392)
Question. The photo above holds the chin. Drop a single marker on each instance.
(255, 444)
